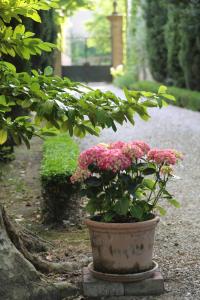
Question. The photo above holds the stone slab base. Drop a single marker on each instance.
(105, 290)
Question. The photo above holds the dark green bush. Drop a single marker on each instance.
(60, 154)
(184, 97)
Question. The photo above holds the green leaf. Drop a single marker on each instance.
(169, 97)
(79, 132)
(11, 52)
(108, 217)
(122, 206)
(137, 211)
(161, 210)
(174, 202)
(19, 29)
(35, 87)
(3, 100)
(91, 206)
(149, 103)
(93, 131)
(147, 94)
(167, 194)
(162, 89)
(33, 15)
(129, 114)
(10, 66)
(25, 140)
(48, 71)
(149, 183)
(128, 97)
(3, 136)
(102, 116)
(149, 171)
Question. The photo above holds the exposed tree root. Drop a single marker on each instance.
(19, 278)
(24, 244)
(32, 242)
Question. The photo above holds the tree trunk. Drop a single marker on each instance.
(19, 279)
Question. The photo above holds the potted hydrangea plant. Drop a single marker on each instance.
(123, 183)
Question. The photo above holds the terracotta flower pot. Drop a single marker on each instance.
(122, 248)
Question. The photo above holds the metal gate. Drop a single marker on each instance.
(89, 59)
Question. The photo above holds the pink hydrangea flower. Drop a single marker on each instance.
(132, 151)
(142, 145)
(91, 156)
(80, 175)
(117, 145)
(114, 160)
(151, 154)
(162, 156)
(178, 154)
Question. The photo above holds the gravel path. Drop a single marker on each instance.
(177, 248)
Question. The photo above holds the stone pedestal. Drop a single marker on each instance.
(104, 290)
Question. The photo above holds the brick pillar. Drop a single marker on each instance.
(117, 39)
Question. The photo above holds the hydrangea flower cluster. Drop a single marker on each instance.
(164, 156)
(91, 156)
(114, 160)
(119, 156)
(132, 151)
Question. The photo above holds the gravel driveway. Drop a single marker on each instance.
(177, 247)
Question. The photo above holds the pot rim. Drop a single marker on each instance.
(134, 225)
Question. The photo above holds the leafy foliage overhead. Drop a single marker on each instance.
(55, 103)
(64, 105)
(17, 40)
(69, 6)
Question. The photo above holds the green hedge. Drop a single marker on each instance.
(60, 154)
(125, 80)
(184, 97)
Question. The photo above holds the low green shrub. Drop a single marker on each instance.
(125, 80)
(60, 154)
(184, 97)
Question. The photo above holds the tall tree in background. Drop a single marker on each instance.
(183, 43)
(156, 18)
(175, 74)
(173, 41)
(189, 32)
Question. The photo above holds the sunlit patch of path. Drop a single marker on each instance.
(177, 246)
